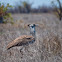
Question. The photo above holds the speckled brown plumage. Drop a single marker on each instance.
(20, 41)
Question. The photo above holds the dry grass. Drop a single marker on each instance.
(41, 25)
(52, 45)
(46, 48)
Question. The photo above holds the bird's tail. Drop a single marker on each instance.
(10, 45)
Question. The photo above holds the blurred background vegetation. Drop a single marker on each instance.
(26, 7)
(57, 8)
(4, 15)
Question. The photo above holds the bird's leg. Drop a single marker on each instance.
(21, 49)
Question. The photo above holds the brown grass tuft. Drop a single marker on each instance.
(52, 45)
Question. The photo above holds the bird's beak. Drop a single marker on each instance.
(36, 24)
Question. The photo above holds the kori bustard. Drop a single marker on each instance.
(24, 39)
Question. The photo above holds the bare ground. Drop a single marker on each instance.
(46, 48)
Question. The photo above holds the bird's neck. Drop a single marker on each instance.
(33, 34)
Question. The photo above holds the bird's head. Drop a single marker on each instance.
(32, 25)
(32, 28)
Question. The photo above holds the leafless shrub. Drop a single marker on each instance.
(57, 9)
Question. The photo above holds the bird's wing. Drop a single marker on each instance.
(13, 43)
(21, 39)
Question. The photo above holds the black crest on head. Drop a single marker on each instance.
(31, 25)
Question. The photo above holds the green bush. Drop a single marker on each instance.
(3, 12)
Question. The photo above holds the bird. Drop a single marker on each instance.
(24, 39)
